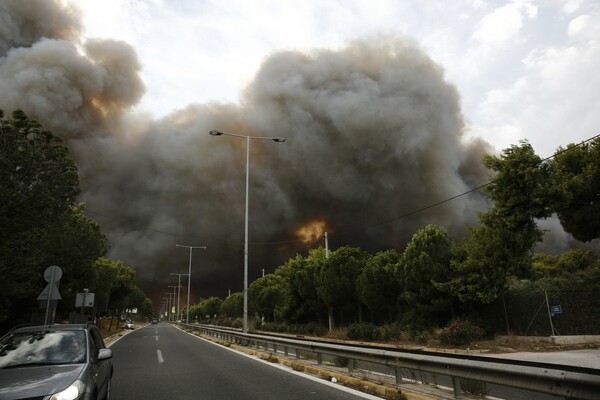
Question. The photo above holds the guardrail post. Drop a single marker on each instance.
(351, 365)
(456, 386)
(285, 350)
(319, 358)
(398, 376)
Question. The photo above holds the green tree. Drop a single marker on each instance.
(377, 286)
(38, 185)
(210, 306)
(267, 295)
(76, 244)
(521, 196)
(302, 304)
(105, 280)
(233, 305)
(336, 281)
(124, 288)
(575, 175)
(479, 266)
(426, 262)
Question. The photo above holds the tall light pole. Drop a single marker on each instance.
(168, 305)
(277, 140)
(178, 293)
(187, 317)
(174, 297)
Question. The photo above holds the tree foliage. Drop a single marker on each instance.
(521, 196)
(336, 281)
(426, 261)
(233, 305)
(267, 295)
(302, 303)
(479, 267)
(38, 186)
(377, 285)
(575, 175)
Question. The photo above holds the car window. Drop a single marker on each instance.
(96, 342)
(42, 348)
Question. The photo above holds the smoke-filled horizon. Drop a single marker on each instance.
(373, 131)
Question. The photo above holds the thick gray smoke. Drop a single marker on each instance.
(373, 132)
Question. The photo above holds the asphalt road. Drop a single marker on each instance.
(160, 362)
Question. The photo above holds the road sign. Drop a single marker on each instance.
(50, 294)
(557, 309)
(84, 300)
(53, 274)
(52, 290)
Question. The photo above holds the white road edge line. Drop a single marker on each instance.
(290, 370)
(160, 357)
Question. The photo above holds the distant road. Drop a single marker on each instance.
(160, 362)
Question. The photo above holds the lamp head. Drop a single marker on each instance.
(215, 132)
(279, 139)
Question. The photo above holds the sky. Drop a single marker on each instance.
(387, 107)
(524, 69)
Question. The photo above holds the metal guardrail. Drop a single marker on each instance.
(570, 382)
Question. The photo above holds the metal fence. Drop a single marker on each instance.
(539, 313)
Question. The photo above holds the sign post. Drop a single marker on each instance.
(52, 275)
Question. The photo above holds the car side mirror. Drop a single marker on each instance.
(104, 354)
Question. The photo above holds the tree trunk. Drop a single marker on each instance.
(360, 314)
(331, 321)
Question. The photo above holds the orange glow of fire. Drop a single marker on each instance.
(312, 231)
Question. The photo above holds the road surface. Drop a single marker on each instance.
(161, 362)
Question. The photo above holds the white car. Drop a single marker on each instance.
(129, 325)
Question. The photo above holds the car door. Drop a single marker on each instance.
(100, 368)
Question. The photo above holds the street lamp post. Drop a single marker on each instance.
(174, 297)
(178, 293)
(277, 140)
(187, 317)
(164, 307)
(168, 305)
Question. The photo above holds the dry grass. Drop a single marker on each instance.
(106, 329)
(337, 334)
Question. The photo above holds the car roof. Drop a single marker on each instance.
(54, 327)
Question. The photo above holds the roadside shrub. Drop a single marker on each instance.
(337, 334)
(460, 332)
(237, 323)
(310, 328)
(363, 331)
(314, 329)
(391, 332)
(273, 327)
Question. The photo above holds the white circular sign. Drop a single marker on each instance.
(52, 274)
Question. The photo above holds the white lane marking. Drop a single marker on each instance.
(156, 338)
(160, 357)
(290, 370)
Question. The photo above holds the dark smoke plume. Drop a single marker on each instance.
(373, 131)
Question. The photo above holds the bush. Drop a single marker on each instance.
(363, 331)
(460, 332)
(391, 332)
(272, 327)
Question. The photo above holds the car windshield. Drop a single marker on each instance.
(46, 347)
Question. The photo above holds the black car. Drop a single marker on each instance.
(67, 362)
